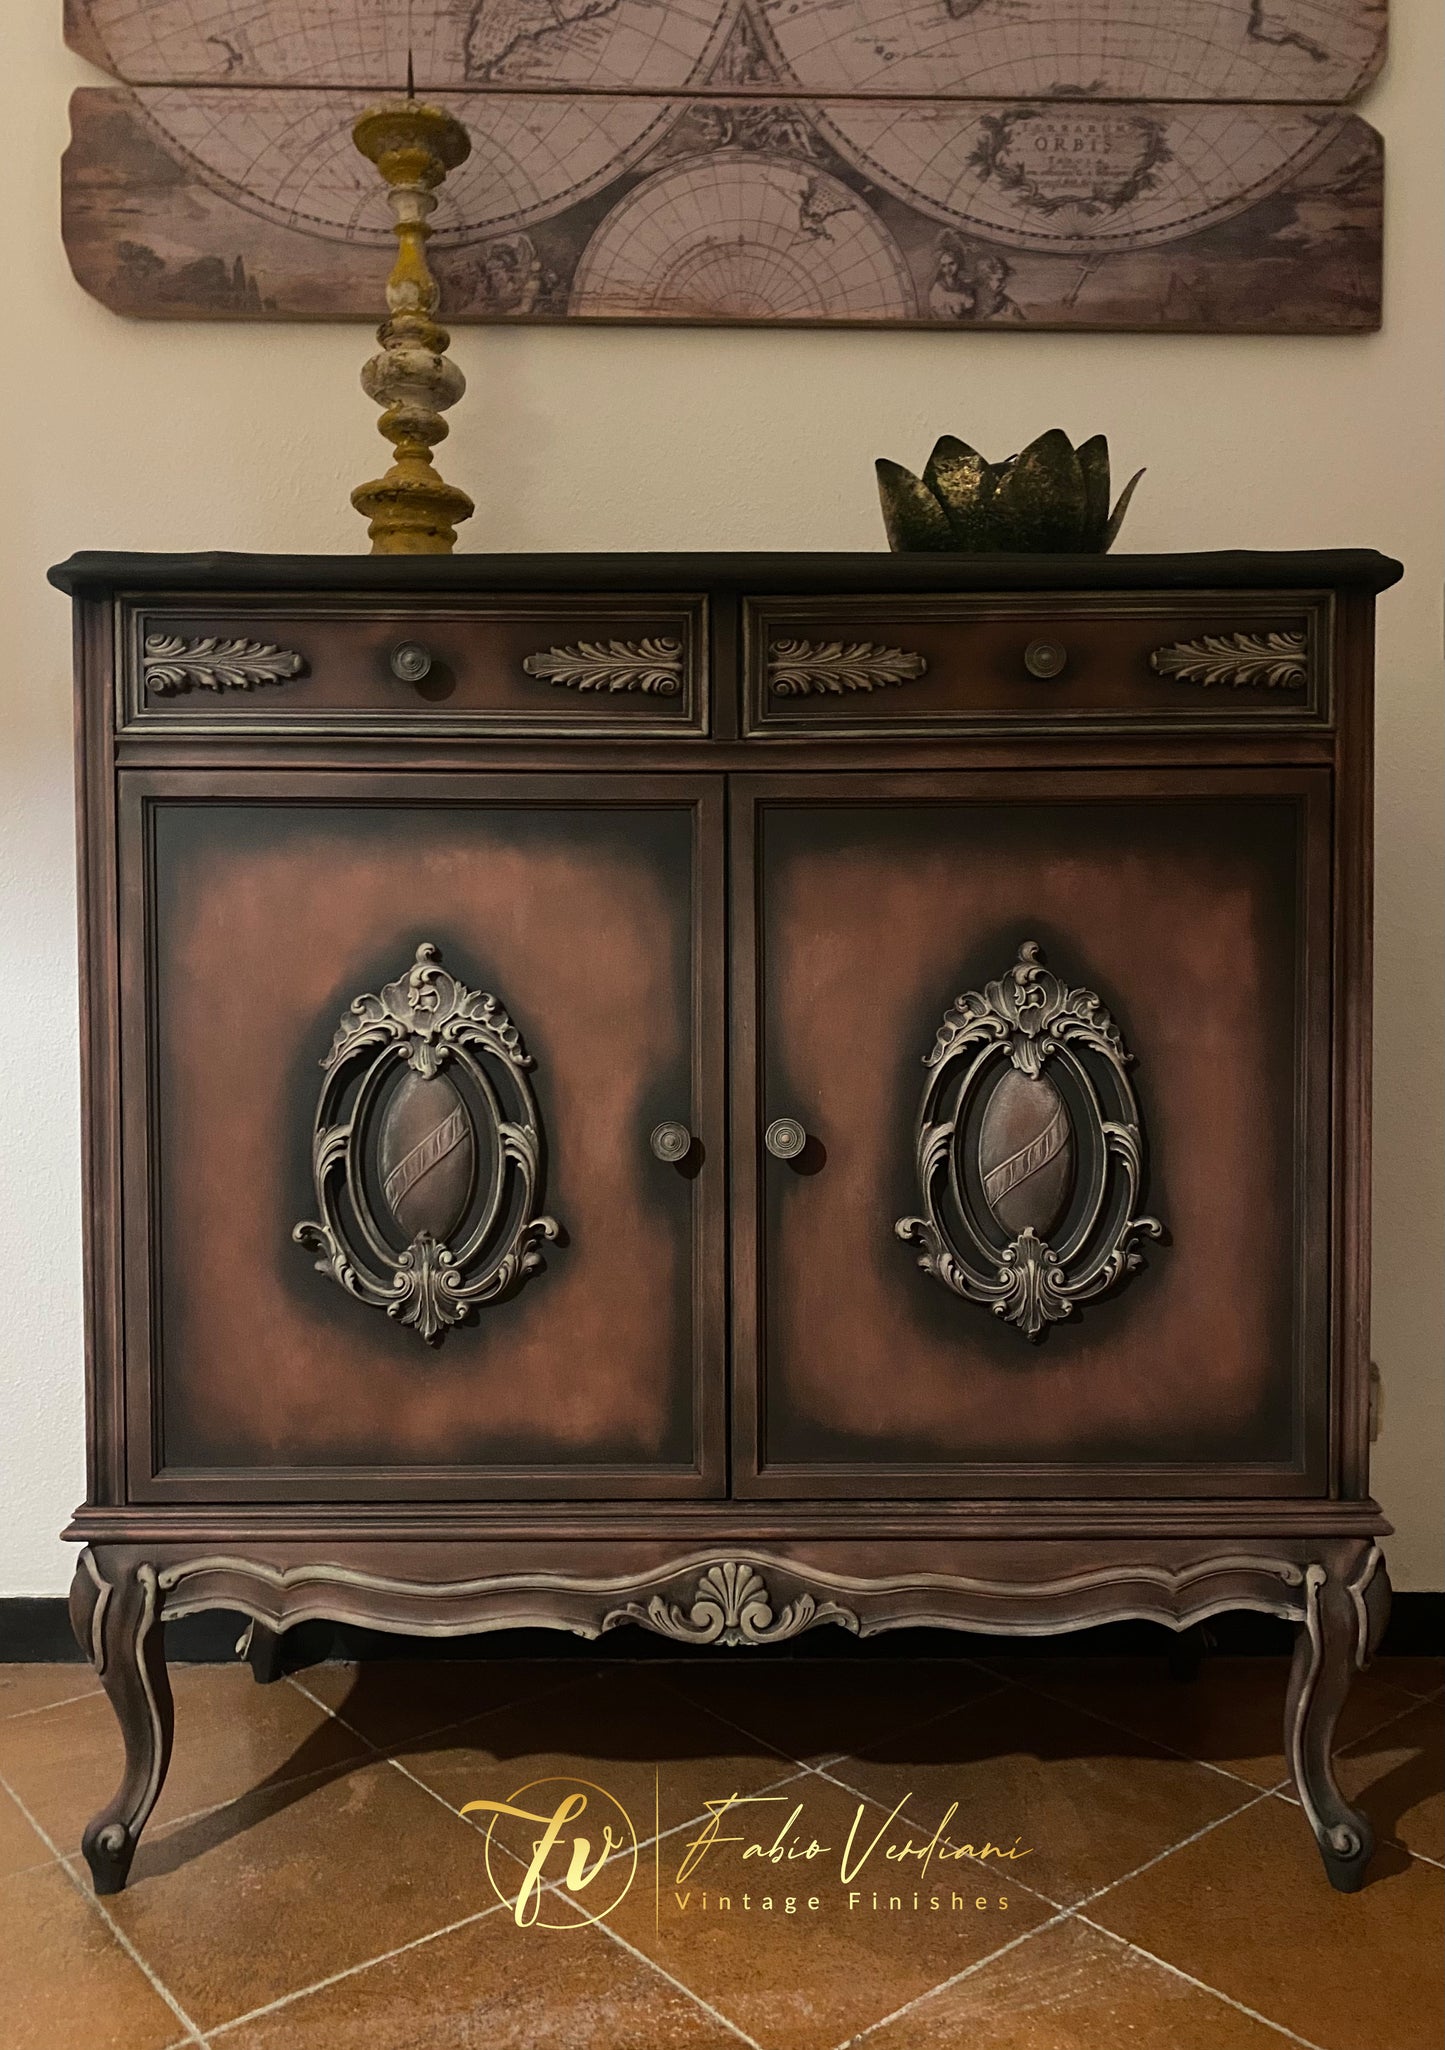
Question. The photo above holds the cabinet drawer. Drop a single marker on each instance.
(919, 665)
(554, 666)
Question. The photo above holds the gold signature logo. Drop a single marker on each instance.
(558, 1866)
(554, 1841)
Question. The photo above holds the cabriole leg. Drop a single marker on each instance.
(117, 1625)
(1345, 1618)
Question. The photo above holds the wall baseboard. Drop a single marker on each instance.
(36, 1629)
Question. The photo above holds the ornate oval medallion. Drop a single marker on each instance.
(1005, 1151)
(399, 1159)
(427, 1153)
(1026, 1153)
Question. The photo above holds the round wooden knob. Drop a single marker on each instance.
(1045, 659)
(410, 662)
(671, 1141)
(785, 1138)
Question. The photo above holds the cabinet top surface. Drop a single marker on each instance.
(99, 571)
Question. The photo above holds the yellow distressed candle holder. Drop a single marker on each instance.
(412, 510)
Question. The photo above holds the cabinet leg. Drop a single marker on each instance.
(1344, 1620)
(118, 1626)
(261, 1648)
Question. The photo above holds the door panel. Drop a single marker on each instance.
(513, 981)
(875, 919)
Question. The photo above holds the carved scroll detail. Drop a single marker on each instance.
(93, 1644)
(972, 1235)
(431, 1022)
(1369, 1593)
(731, 1604)
(653, 666)
(798, 669)
(170, 663)
(1275, 661)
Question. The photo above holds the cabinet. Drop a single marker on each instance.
(728, 1093)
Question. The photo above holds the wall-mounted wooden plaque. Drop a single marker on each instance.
(1134, 164)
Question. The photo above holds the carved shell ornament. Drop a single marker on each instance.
(1029, 1150)
(732, 1604)
(427, 1152)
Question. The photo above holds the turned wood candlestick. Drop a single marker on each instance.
(411, 509)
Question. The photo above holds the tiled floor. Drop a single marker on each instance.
(307, 1882)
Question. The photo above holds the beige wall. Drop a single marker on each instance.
(157, 436)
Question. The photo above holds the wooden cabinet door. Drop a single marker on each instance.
(400, 1220)
(1031, 1133)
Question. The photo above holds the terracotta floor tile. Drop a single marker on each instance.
(292, 1884)
(494, 1985)
(1398, 1777)
(1088, 1802)
(622, 1728)
(1248, 1910)
(231, 1735)
(284, 1888)
(806, 1980)
(395, 1701)
(1072, 1988)
(23, 1688)
(1415, 1675)
(65, 1983)
(1232, 1715)
(823, 1707)
(20, 1846)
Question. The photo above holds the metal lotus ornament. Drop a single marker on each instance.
(1051, 498)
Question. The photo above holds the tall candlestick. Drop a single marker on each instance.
(411, 510)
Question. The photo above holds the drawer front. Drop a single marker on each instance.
(560, 667)
(870, 666)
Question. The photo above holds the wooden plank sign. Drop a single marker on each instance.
(1092, 164)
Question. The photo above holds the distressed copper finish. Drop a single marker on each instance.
(583, 914)
(1184, 1381)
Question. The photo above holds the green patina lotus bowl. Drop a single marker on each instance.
(1052, 498)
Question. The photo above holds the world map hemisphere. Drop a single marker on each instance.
(1051, 176)
(1062, 173)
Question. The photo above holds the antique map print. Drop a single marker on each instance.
(1188, 164)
